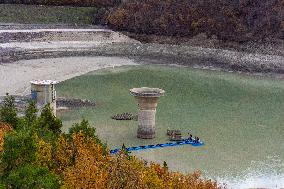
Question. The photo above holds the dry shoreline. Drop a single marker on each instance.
(178, 54)
(34, 42)
(15, 77)
(60, 54)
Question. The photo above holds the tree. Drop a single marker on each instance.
(30, 176)
(126, 173)
(36, 157)
(47, 120)
(4, 128)
(43, 153)
(31, 113)
(90, 167)
(85, 128)
(19, 148)
(8, 111)
(64, 153)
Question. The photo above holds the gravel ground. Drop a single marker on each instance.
(30, 52)
(167, 54)
(43, 42)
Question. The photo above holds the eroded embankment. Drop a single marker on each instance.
(51, 43)
(185, 55)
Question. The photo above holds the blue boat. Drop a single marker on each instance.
(169, 144)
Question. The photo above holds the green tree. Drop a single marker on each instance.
(30, 176)
(85, 128)
(47, 120)
(19, 148)
(8, 111)
(31, 113)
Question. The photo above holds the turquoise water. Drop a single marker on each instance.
(239, 117)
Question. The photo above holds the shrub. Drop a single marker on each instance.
(8, 111)
(30, 176)
(99, 18)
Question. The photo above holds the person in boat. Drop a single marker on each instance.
(190, 137)
(197, 140)
(194, 139)
(173, 136)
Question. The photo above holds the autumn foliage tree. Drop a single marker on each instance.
(38, 155)
(4, 128)
(235, 20)
(93, 169)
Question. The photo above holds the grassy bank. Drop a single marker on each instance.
(30, 14)
(233, 114)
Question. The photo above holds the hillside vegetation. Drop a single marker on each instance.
(30, 14)
(236, 20)
(64, 2)
(232, 20)
(37, 155)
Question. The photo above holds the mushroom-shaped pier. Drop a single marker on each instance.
(147, 103)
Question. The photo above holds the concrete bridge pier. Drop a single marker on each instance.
(147, 99)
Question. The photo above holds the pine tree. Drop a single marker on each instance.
(8, 111)
(30, 113)
(47, 120)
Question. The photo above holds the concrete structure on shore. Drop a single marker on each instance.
(43, 92)
(147, 103)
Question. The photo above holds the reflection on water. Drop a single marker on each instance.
(240, 119)
(260, 174)
(256, 180)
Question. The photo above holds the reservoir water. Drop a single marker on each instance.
(239, 117)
